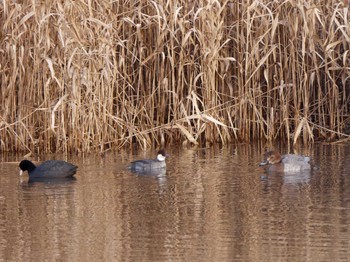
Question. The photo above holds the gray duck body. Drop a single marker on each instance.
(150, 164)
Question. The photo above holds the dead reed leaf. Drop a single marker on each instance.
(99, 22)
(53, 112)
(187, 134)
(213, 120)
(303, 125)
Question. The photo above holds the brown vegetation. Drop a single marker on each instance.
(91, 75)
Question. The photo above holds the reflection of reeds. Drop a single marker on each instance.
(86, 76)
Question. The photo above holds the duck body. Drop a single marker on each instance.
(48, 169)
(150, 164)
(285, 163)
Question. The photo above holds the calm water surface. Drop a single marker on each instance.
(212, 204)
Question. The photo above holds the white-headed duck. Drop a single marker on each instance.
(150, 164)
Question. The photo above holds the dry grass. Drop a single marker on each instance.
(92, 75)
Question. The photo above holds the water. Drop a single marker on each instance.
(212, 204)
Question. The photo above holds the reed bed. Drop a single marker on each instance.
(79, 76)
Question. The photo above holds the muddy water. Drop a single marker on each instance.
(210, 205)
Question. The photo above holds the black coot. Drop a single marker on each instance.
(48, 169)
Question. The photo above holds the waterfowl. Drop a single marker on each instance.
(285, 163)
(150, 164)
(48, 169)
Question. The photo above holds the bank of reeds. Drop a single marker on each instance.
(92, 75)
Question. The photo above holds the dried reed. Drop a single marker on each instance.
(92, 75)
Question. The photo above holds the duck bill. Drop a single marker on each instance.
(263, 163)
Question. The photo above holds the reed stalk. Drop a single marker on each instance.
(79, 76)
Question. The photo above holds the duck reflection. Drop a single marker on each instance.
(288, 178)
(158, 174)
(57, 181)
